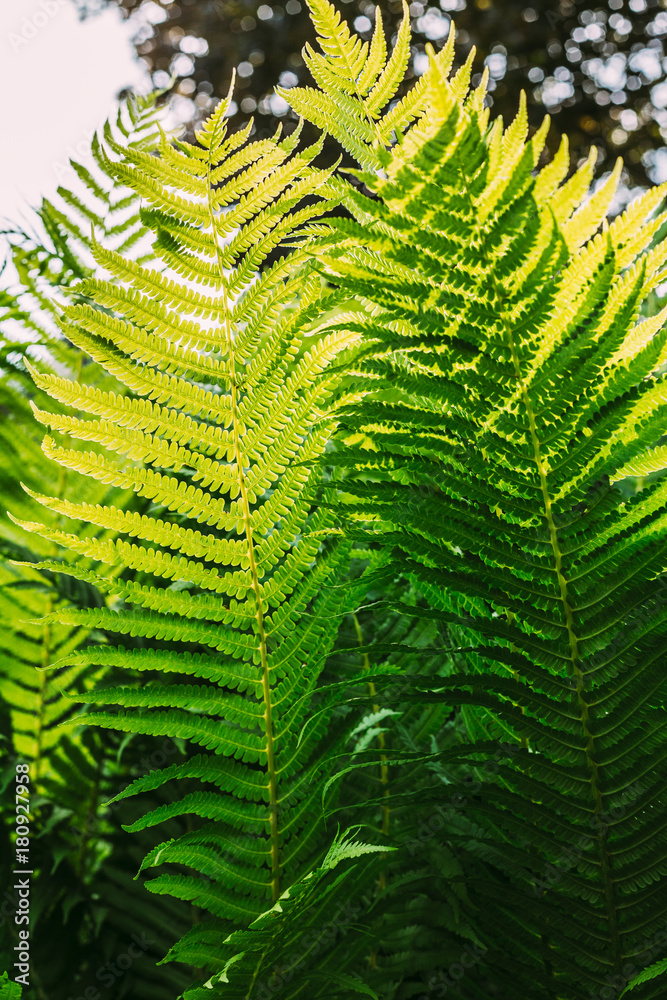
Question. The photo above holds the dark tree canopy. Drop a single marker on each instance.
(599, 70)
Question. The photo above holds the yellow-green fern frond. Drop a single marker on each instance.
(219, 414)
(357, 82)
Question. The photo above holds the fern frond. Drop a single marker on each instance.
(255, 955)
(508, 376)
(357, 82)
(229, 581)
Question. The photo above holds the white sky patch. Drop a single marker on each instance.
(647, 61)
(610, 73)
(59, 78)
(656, 162)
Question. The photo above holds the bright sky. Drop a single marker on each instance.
(58, 81)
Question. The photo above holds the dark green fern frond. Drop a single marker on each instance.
(274, 952)
(332, 503)
(419, 918)
(86, 907)
(36, 698)
(512, 384)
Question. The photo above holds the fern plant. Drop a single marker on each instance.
(226, 396)
(479, 340)
(509, 374)
(8, 989)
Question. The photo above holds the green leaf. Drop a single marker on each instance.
(646, 975)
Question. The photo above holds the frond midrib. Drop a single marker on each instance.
(245, 505)
(577, 674)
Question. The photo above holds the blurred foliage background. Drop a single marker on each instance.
(599, 70)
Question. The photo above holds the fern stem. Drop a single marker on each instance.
(238, 457)
(384, 767)
(358, 94)
(43, 684)
(577, 674)
(384, 771)
(92, 806)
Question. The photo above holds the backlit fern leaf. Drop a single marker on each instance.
(8, 989)
(28, 329)
(36, 699)
(488, 346)
(235, 593)
(357, 82)
(257, 961)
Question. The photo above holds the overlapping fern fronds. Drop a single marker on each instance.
(514, 381)
(229, 579)
(357, 81)
(56, 253)
(43, 265)
(306, 941)
(92, 909)
(47, 264)
(506, 373)
(421, 913)
(57, 250)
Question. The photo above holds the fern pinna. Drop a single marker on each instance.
(229, 578)
(510, 377)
